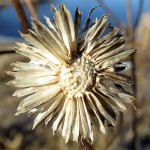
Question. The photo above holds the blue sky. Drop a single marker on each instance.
(9, 24)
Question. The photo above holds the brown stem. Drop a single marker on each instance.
(131, 42)
(116, 133)
(20, 12)
(134, 111)
(7, 52)
(83, 142)
(129, 20)
(139, 14)
(31, 8)
(87, 145)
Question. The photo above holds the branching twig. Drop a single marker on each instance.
(20, 12)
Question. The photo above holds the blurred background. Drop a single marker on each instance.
(132, 130)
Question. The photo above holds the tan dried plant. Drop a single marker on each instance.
(73, 81)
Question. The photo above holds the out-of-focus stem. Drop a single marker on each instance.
(20, 12)
(131, 42)
(84, 143)
(134, 111)
(87, 145)
(129, 20)
(7, 52)
(140, 10)
(116, 133)
(31, 8)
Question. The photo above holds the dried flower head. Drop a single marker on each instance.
(73, 80)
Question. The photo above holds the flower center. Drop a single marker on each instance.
(77, 77)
